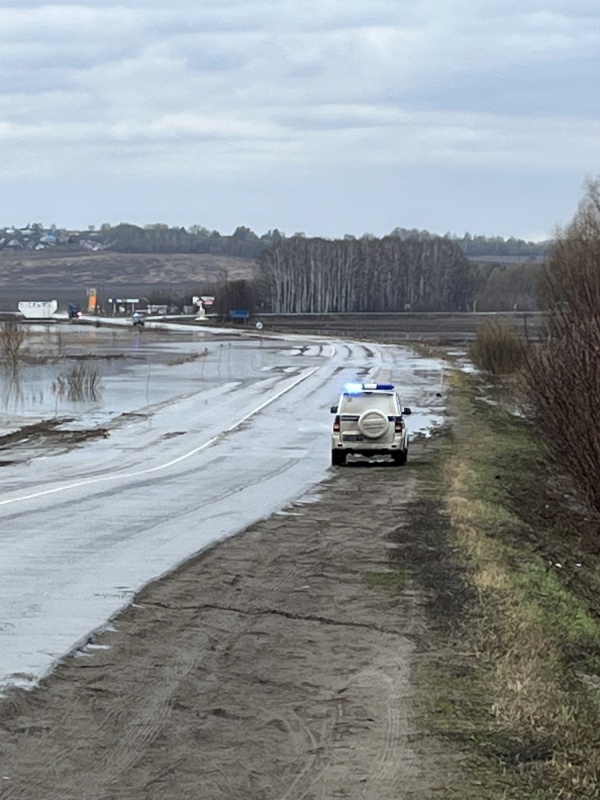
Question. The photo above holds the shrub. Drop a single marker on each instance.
(497, 349)
(81, 382)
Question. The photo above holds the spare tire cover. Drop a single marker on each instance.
(373, 424)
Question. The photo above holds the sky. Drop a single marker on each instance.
(329, 117)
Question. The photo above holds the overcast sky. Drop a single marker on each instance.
(322, 116)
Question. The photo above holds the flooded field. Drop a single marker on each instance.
(95, 374)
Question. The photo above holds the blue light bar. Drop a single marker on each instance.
(385, 387)
(357, 388)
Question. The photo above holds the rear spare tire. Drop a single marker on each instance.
(373, 424)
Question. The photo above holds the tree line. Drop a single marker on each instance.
(342, 266)
(301, 275)
(244, 242)
(473, 246)
(126, 238)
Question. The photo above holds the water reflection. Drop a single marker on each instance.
(12, 392)
(82, 382)
(19, 394)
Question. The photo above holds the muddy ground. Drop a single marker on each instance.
(282, 664)
(439, 328)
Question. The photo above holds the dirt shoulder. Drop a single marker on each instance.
(280, 664)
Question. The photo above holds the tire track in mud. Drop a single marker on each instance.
(130, 730)
(142, 728)
(301, 737)
(388, 716)
(390, 758)
(315, 763)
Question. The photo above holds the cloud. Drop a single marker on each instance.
(230, 89)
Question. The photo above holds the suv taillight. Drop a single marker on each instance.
(399, 426)
(336, 425)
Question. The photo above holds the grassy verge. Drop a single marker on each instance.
(526, 708)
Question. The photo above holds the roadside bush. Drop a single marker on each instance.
(563, 373)
(497, 349)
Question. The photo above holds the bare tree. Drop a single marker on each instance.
(564, 373)
(302, 275)
(12, 340)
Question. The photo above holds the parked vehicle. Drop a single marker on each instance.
(369, 421)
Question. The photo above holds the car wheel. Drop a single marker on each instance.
(338, 458)
(399, 459)
(373, 424)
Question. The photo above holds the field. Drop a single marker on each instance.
(396, 328)
(66, 277)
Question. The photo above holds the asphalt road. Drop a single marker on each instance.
(83, 531)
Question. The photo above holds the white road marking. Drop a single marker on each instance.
(167, 464)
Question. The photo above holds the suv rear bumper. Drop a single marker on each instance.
(370, 448)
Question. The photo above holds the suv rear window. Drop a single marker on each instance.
(357, 403)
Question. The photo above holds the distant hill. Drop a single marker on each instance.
(26, 275)
(125, 238)
(242, 243)
(48, 267)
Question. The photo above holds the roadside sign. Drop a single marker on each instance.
(123, 299)
(92, 296)
(239, 313)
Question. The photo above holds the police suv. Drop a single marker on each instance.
(369, 421)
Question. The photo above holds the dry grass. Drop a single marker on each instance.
(187, 357)
(540, 722)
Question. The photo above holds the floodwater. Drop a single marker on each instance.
(133, 370)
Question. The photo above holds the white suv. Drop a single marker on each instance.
(369, 421)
